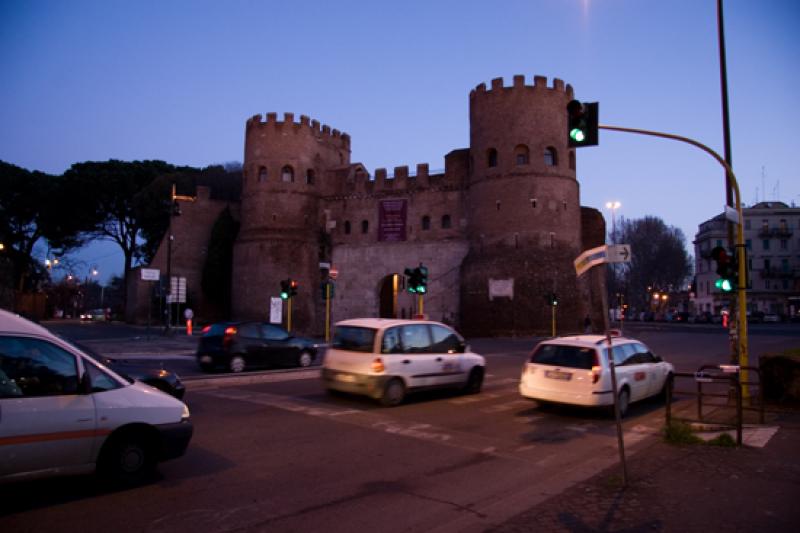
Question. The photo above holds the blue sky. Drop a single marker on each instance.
(176, 80)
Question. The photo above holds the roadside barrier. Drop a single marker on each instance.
(707, 376)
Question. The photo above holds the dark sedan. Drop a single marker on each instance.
(238, 346)
(139, 370)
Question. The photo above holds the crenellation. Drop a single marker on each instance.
(380, 175)
(326, 130)
(305, 120)
(422, 172)
(540, 82)
(288, 118)
(558, 85)
(272, 117)
(497, 83)
(315, 126)
(401, 172)
(336, 133)
(519, 81)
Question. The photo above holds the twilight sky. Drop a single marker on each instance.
(176, 80)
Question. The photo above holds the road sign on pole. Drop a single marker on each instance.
(619, 253)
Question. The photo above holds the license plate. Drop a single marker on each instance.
(557, 374)
(347, 378)
(205, 359)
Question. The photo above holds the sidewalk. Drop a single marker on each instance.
(685, 488)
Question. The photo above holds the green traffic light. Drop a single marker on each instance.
(421, 289)
(724, 285)
(284, 295)
(577, 135)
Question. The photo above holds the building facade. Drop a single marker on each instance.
(498, 228)
(772, 240)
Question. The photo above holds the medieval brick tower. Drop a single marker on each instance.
(498, 228)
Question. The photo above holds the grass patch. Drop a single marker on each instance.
(678, 432)
(724, 440)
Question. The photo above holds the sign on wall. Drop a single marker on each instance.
(392, 220)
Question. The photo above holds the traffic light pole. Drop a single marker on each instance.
(742, 296)
(289, 314)
(327, 311)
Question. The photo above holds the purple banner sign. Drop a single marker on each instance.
(392, 220)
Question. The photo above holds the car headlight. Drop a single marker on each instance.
(185, 415)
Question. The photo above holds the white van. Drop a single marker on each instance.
(386, 358)
(61, 412)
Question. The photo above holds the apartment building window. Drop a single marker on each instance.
(748, 243)
(784, 244)
(747, 224)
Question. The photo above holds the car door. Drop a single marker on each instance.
(45, 422)
(656, 369)
(277, 345)
(252, 344)
(630, 370)
(416, 363)
(447, 348)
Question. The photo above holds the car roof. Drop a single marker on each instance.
(383, 323)
(589, 341)
(13, 323)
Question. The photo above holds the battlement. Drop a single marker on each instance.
(306, 124)
(401, 180)
(539, 84)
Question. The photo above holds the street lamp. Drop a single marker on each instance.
(613, 206)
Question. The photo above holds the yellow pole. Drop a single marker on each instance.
(421, 305)
(553, 307)
(742, 299)
(327, 311)
(289, 315)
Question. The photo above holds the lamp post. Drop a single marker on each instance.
(613, 206)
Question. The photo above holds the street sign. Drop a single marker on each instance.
(177, 290)
(275, 310)
(619, 253)
(590, 258)
(150, 274)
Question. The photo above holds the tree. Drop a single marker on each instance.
(659, 260)
(34, 206)
(127, 202)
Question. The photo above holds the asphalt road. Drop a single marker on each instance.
(280, 454)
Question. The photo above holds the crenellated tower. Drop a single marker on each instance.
(285, 166)
(525, 216)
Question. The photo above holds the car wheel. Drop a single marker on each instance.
(623, 401)
(127, 459)
(393, 393)
(305, 359)
(237, 363)
(474, 381)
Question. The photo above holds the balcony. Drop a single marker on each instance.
(778, 273)
(774, 233)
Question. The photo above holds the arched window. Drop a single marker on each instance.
(446, 224)
(287, 173)
(347, 227)
(491, 158)
(426, 223)
(262, 174)
(310, 176)
(550, 157)
(521, 154)
(364, 226)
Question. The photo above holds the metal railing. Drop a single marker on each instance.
(719, 374)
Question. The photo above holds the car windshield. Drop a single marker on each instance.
(566, 356)
(354, 339)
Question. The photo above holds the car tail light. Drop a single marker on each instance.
(230, 331)
(378, 366)
(596, 370)
(206, 330)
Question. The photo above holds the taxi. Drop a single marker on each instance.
(386, 359)
(576, 370)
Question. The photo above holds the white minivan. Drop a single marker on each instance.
(62, 412)
(387, 358)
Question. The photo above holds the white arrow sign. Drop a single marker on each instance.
(619, 253)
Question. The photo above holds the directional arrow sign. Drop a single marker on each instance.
(619, 253)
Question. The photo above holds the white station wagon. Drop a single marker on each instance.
(575, 370)
(387, 358)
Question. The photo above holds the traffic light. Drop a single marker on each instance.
(417, 282)
(551, 298)
(726, 269)
(292, 287)
(286, 288)
(582, 123)
(422, 285)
